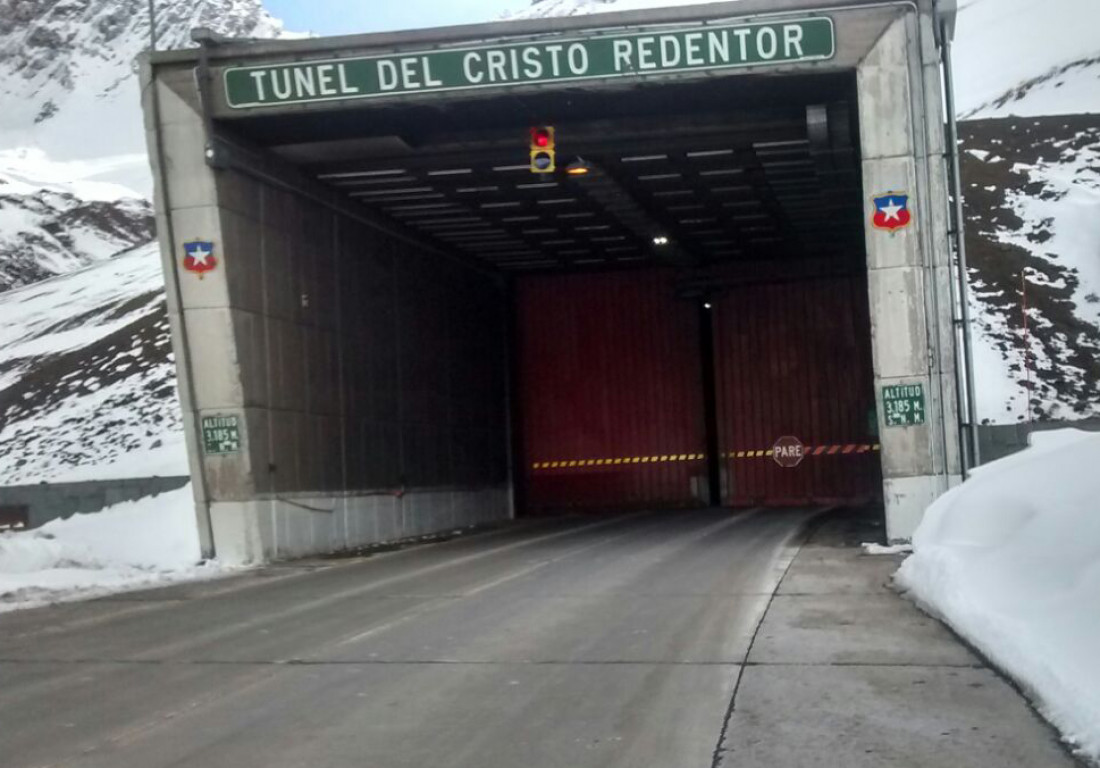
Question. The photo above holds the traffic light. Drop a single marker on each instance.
(543, 153)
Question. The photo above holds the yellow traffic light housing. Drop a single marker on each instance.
(543, 150)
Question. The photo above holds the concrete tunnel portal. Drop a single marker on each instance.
(386, 325)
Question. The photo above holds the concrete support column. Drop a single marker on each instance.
(199, 310)
(933, 161)
(908, 305)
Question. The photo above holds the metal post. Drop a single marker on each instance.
(152, 25)
(206, 40)
(960, 253)
(710, 402)
(1027, 347)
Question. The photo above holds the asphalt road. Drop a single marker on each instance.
(571, 643)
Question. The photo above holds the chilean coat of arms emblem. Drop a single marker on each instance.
(198, 257)
(891, 211)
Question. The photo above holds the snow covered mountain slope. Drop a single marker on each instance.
(67, 73)
(544, 9)
(50, 226)
(1033, 206)
(87, 383)
(73, 169)
(87, 376)
(1027, 58)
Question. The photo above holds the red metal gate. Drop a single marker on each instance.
(794, 359)
(610, 390)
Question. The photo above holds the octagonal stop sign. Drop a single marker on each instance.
(788, 452)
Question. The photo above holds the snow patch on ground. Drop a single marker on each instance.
(1000, 396)
(169, 459)
(870, 548)
(138, 544)
(1011, 560)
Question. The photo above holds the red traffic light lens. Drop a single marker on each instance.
(540, 137)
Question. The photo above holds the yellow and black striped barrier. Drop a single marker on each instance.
(573, 463)
(847, 449)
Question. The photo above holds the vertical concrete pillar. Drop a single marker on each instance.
(933, 162)
(200, 314)
(910, 310)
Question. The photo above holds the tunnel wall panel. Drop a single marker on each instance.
(793, 359)
(367, 365)
(611, 391)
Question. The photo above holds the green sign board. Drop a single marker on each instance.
(221, 434)
(904, 404)
(554, 60)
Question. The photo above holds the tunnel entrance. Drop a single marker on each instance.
(709, 301)
(698, 293)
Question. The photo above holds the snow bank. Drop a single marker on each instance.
(1011, 560)
(149, 542)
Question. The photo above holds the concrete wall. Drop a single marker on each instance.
(52, 501)
(1000, 440)
(368, 374)
(901, 125)
(365, 363)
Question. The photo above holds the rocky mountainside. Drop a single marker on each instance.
(49, 229)
(1028, 92)
(541, 9)
(87, 379)
(1033, 236)
(74, 178)
(87, 382)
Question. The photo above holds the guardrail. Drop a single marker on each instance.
(29, 506)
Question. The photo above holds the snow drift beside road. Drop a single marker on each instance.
(1011, 560)
(150, 542)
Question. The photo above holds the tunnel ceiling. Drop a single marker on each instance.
(728, 169)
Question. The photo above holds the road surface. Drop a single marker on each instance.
(571, 642)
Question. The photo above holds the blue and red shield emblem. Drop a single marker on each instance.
(891, 211)
(198, 257)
